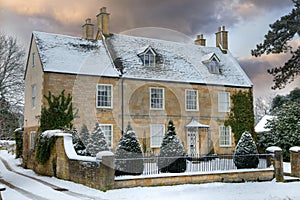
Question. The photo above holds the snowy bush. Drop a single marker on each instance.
(246, 154)
(97, 141)
(129, 157)
(171, 156)
(84, 135)
(77, 143)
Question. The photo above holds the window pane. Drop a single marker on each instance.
(224, 101)
(107, 130)
(33, 95)
(157, 133)
(104, 96)
(157, 98)
(32, 136)
(225, 136)
(191, 100)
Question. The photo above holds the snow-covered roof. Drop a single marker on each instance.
(178, 62)
(260, 126)
(73, 55)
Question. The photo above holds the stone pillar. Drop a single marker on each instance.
(295, 161)
(277, 162)
(107, 170)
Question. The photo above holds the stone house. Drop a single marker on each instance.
(115, 79)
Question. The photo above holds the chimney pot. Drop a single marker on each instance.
(88, 29)
(103, 22)
(200, 41)
(222, 39)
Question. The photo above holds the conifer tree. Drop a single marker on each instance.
(171, 155)
(129, 157)
(77, 143)
(97, 141)
(84, 135)
(245, 155)
(277, 41)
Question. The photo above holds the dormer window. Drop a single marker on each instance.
(148, 56)
(212, 62)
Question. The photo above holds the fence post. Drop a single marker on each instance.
(295, 161)
(277, 162)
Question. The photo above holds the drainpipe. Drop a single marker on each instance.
(122, 103)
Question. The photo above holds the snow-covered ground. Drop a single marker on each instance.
(28, 185)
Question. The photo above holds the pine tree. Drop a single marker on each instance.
(284, 129)
(129, 157)
(276, 41)
(97, 141)
(246, 154)
(77, 143)
(171, 155)
(84, 135)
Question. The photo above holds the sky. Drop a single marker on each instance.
(178, 20)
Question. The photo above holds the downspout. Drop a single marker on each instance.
(122, 103)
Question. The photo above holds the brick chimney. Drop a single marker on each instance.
(222, 39)
(88, 30)
(200, 40)
(103, 21)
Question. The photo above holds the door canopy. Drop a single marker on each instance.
(194, 124)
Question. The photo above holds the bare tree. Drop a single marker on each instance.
(262, 107)
(11, 81)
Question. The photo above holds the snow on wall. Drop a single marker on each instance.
(295, 149)
(74, 55)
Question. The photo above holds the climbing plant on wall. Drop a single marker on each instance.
(58, 115)
(241, 116)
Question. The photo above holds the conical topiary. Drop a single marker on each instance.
(84, 135)
(171, 156)
(77, 143)
(129, 157)
(97, 141)
(246, 154)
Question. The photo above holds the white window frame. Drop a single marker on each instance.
(188, 100)
(156, 143)
(224, 102)
(111, 96)
(225, 136)
(33, 96)
(31, 140)
(110, 143)
(162, 107)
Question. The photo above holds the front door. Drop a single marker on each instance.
(192, 141)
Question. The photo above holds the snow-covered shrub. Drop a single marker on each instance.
(129, 157)
(84, 135)
(97, 141)
(246, 154)
(171, 156)
(77, 143)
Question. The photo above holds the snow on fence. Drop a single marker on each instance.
(196, 163)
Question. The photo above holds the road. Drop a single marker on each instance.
(22, 186)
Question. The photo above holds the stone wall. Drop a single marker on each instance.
(227, 177)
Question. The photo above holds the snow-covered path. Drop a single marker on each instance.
(32, 186)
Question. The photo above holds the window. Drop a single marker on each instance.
(148, 57)
(157, 101)
(31, 142)
(104, 96)
(224, 101)
(191, 100)
(33, 95)
(33, 59)
(225, 136)
(108, 133)
(214, 67)
(157, 133)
